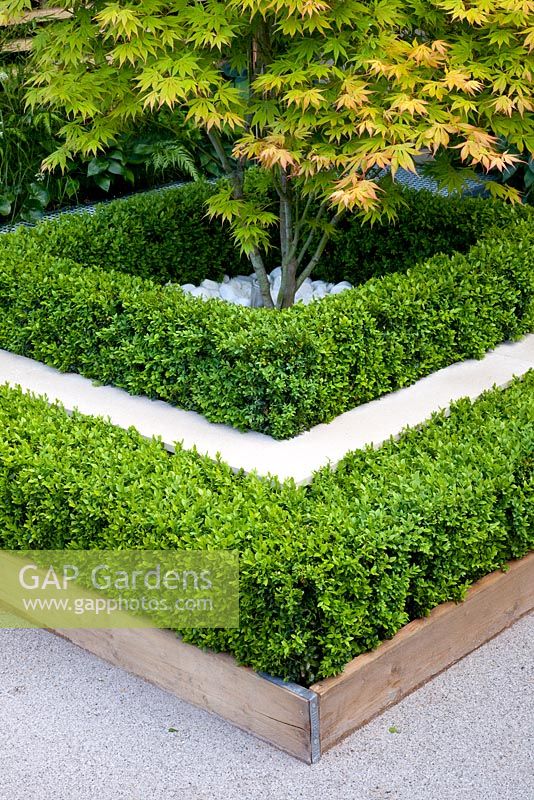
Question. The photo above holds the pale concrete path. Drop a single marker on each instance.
(296, 458)
(74, 728)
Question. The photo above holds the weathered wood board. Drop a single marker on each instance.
(271, 710)
(423, 648)
(307, 722)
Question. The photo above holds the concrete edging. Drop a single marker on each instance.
(297, 458)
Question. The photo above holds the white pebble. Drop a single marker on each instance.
(229, 293)
(200, 291)
(305, 291)
(275, 288)
(340, 287)
(212, 286)
(243, 289)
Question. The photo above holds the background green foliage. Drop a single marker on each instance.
(26, 138)
(154, 150)
(327, 571)
(521, 176)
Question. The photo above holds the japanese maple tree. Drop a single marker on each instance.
(329, 98)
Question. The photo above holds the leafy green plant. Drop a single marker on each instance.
(167, 146)
(26, 138)
(160, 149)
(147, 157)
(102, 168)
(65, 299)
(411, 525)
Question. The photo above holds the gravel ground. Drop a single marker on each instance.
(74, 728)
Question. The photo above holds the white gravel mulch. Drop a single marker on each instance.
(243, 290)
(74, 728)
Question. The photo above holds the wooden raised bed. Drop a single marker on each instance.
(307, 722)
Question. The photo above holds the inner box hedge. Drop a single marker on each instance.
(91, 294)
(327, 571)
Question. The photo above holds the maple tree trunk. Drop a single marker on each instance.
(235, 171)
(286, 296)
(288, 241)
(261, 274)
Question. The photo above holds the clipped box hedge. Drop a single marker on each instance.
(327, 571)
(85, 294)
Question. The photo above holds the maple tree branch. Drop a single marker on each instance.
(300, 221)
(312, 263)
(234, 171)
(309, 240)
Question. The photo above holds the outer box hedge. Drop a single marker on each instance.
(327, 571)
(75, 293)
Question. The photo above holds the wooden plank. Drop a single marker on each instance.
(374, 681)
(16, 46)
(38, 14)
(212, 681)
(286, 715)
